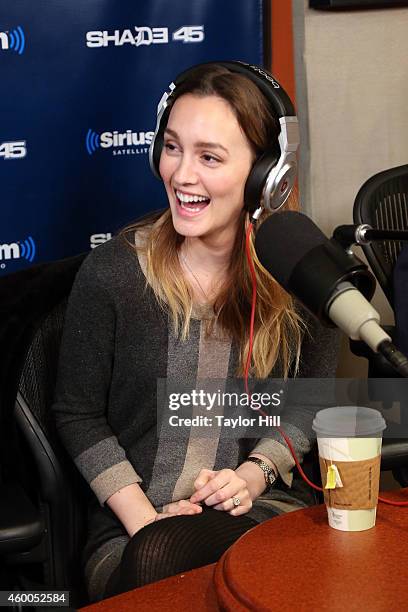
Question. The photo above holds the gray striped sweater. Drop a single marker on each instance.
(117, 343)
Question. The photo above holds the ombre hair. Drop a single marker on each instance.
(278, 327)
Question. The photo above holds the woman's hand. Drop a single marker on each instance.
(184, 506)
(218, 488)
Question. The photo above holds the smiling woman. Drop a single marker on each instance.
(170, 298)
(228, 111)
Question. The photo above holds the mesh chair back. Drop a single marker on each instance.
(62, 492)
(38, 376)
(382, 202)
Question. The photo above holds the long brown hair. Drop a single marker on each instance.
(278, 327)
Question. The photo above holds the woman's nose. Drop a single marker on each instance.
(185, 172)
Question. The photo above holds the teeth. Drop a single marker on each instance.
(189, 208)
(190, 198)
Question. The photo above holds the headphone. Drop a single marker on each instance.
(273, 174)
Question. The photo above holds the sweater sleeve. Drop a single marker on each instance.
(83, 384)
(319, 356)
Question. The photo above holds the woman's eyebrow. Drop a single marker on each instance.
(210, 145)
(201, 144)
(171, 132)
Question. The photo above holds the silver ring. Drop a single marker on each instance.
(236, 501)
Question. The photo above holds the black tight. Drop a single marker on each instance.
(173, 545)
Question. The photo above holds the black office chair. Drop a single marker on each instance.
(382, 202)
(42, 525)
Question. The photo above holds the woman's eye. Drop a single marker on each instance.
(169, 146)
(210, 158)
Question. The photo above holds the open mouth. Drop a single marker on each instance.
(191, 203)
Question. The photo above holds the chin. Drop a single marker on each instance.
(186, 227)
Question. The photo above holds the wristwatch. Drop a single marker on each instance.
(270, 476)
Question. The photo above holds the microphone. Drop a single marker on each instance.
(333, 284)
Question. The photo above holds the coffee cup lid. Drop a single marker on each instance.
(348, 421)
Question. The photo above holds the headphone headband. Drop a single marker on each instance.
(266, 82)
(273, 175)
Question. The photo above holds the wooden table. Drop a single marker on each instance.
(294, 562)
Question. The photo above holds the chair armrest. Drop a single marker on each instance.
(21, 527)
(394, 453)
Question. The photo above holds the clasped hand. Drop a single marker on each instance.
(216, 489)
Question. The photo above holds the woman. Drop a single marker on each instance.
(170, 298)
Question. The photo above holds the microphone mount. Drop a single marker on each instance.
(363, 234)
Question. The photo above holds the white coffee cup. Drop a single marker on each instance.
(350, 434)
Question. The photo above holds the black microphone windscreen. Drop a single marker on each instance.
(283, 240)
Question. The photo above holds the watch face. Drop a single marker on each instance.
(271, 478)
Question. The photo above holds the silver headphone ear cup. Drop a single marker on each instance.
(255, 183)
(279, 185)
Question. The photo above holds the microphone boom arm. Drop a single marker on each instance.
(347, 235)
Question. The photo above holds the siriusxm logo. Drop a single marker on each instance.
(13, 40)
(121, 143)
(144, 36)
(23, 249)
(98, 239)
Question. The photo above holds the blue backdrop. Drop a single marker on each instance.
(80, 83)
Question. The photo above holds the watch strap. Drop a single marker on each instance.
(269, 473)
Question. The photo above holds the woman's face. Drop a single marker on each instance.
(205, 162)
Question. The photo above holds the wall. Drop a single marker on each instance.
(283, 67)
